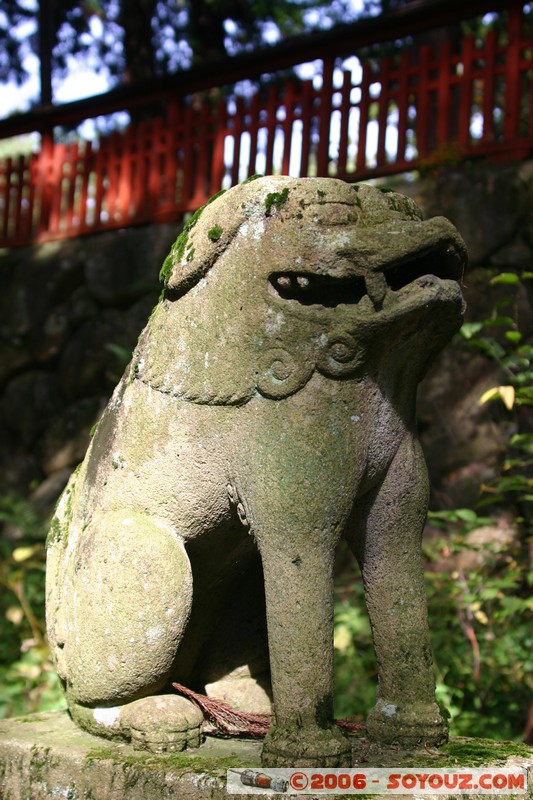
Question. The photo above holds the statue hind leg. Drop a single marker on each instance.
(118, 604)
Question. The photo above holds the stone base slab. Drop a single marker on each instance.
(45, 756)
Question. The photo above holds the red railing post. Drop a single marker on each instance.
(444, 97)
(45, 181)
(308, 99)
(364, 113)
(342, 157)
(322, 155)
(512, 74)
(423, 105)
(383, 110)
(489, 86)
(465, 92)
(404, 90)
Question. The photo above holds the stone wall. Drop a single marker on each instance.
(71, 311)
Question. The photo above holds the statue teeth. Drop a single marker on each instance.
(365, 304)
(377, 288)
(303, 281)
(284, 281)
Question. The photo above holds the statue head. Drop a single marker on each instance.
(280, 277)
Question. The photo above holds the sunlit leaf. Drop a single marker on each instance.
(14, 614)
(507, 394)
(466, 514)
(469, 329)
(22, 553)
(505, 277)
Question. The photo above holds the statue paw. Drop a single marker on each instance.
(417, 724)
(162, 723)
(306, 747)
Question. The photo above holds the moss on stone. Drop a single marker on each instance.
(215, 197)
(477, 752)
(215, 233)
(178, 248)
(166, 269)
(29, 719)
(54, 534)
(276, 200)
(458, 752)
(252, 178)
(358, 202)
(178, 762)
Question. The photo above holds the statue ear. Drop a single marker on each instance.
(203, 239)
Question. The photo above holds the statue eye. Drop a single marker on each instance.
(309, 289)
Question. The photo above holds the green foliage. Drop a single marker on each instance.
(482, 625)
(27, 678)
(355, 662)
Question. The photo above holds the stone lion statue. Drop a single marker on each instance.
(268, 411)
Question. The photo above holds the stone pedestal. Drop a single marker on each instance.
(45, 756)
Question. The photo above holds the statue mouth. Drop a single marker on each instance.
(310, 289)
(426, 271)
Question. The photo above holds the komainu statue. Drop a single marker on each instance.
(268, 411)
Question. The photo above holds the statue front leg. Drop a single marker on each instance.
(299, 599)
(388, 548)
(296, 485)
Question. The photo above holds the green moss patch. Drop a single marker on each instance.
(215, 233)
(178, 248)
(54, 534)
(185, 762)
(458, 752)
(477, 752)
(252, 178)
(276, 200)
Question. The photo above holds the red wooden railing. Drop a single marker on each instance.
(396, 115)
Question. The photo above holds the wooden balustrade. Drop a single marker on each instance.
(401, 113)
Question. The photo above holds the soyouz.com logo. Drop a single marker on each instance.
(414, 781)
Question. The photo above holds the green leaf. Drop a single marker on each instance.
(505, 277)
(469, 329)
(513, 336)
(523, 440)
(466, 514)
(500, 322)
